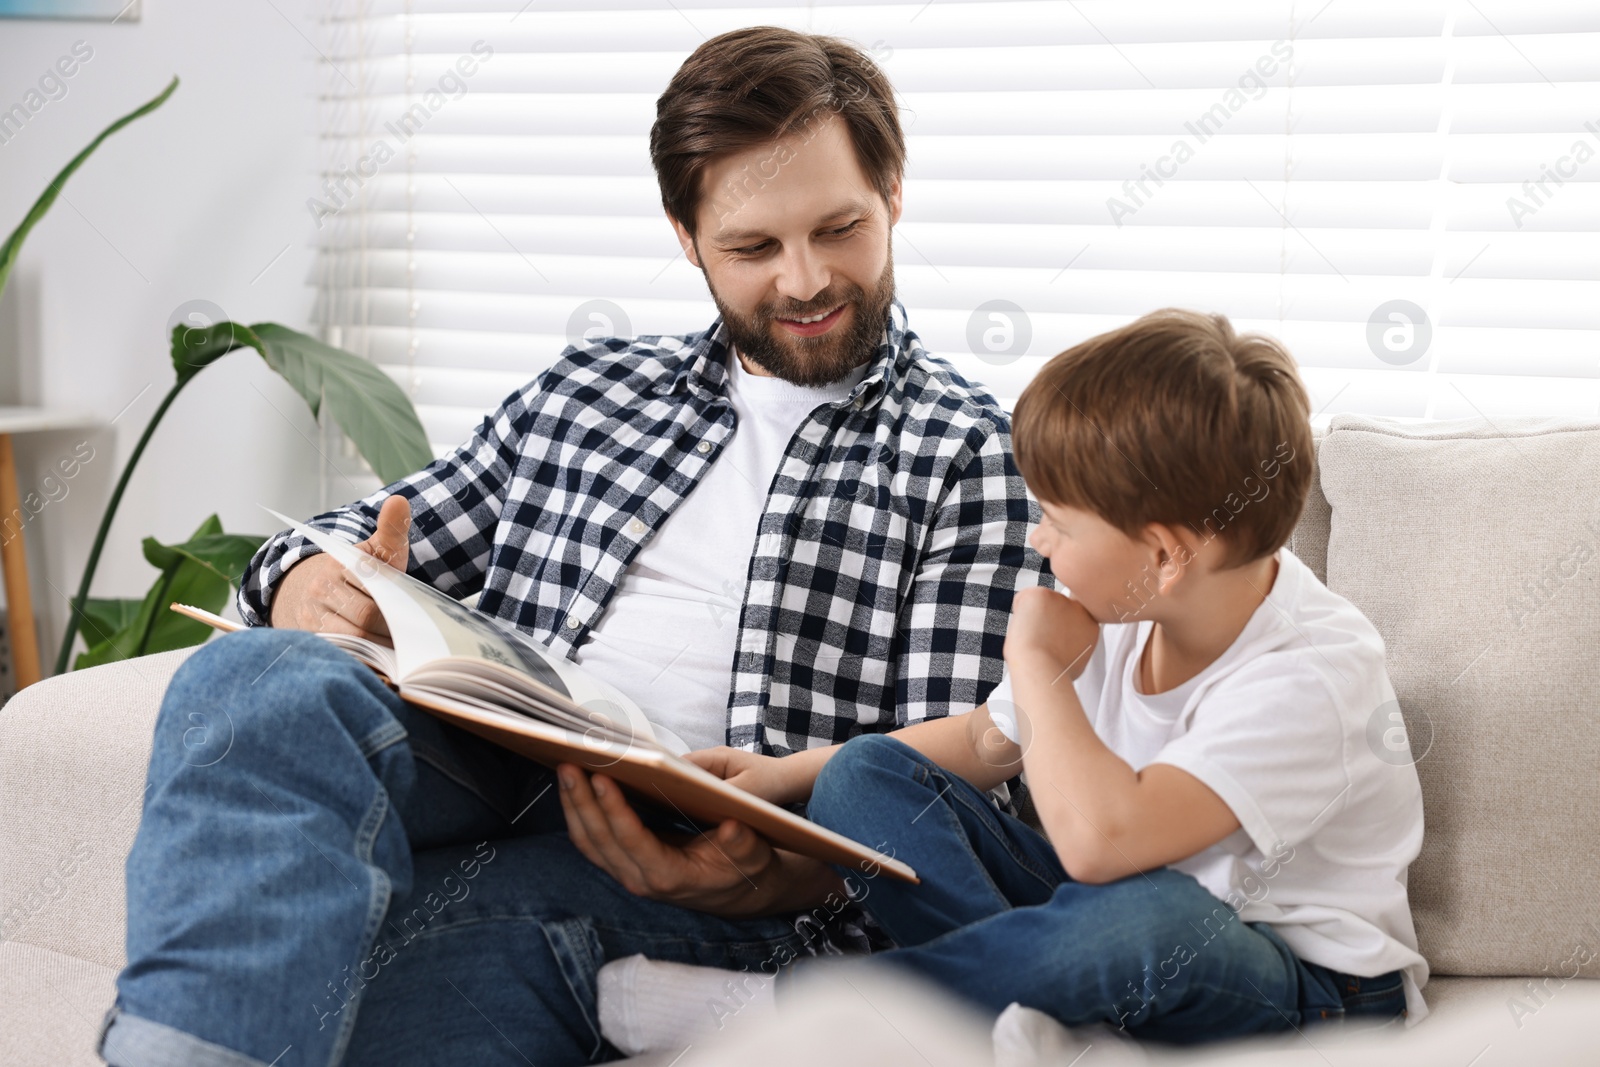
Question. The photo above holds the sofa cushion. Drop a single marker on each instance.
(51, 1006)
(73, 755)
(1470, 544)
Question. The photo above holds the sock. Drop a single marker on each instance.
(651, 1005)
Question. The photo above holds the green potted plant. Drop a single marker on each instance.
(205, 569)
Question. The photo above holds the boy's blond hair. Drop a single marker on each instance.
(1173, 419)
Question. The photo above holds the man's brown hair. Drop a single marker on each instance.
(1173, 419)
(757, 85)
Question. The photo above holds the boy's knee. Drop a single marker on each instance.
(860, 778)
(1182, 930)
(860, 753)
(1164, 900)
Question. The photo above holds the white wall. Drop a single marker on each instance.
(191, 202)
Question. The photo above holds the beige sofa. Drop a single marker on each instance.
(1470, 545)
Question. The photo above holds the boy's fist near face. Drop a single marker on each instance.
(1047, 628)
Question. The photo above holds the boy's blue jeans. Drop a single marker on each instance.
(324, 874)
(997, 919)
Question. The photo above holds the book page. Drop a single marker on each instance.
(427, 626)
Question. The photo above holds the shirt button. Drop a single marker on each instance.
(703, 447)
(636, 526)
(573, 622)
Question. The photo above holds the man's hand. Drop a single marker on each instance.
(731, 871)
(318, 593)
(1050, 628)
(768, 777)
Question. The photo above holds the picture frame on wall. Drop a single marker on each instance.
(90, 10)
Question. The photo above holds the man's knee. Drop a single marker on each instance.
(231, 654)
(255, 680)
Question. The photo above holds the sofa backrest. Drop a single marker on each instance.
(1471, 546)
(1310, 538)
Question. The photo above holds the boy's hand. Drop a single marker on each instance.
(765, 776)
(1048, 627)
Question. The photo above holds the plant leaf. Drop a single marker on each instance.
(191, 583)
(109, 650)
(103, 617)
(294, 355)
(196, 347)
(157, 628)
(13, 246)
(227, 554)
(185, 576)
(163, 556)
(362, 399)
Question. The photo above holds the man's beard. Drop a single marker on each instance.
(813, 361)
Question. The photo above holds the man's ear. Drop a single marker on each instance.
(896, 203)
(687, 241)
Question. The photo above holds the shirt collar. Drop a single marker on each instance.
(706, 369)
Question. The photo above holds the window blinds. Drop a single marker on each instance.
(1407, 194)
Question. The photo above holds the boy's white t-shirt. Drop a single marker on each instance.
(1278, 727)
(668, 635)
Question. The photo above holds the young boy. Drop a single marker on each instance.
(1223, 852)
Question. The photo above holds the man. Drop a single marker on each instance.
(792, 528)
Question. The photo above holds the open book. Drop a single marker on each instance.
(484, 675)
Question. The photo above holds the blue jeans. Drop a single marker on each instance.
(997, 920)
(324, 874)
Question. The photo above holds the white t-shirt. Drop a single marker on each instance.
(667, 636)
(1279, 728)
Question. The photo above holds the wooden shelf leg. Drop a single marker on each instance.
(14, 559)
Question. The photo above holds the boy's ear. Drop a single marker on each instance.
(1175, 554)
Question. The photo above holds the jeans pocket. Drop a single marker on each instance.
(1381, 997)
(576, 947)
(1355, 1001)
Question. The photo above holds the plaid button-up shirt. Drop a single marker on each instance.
(882, 573)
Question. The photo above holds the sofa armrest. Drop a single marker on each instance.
(74, 750)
